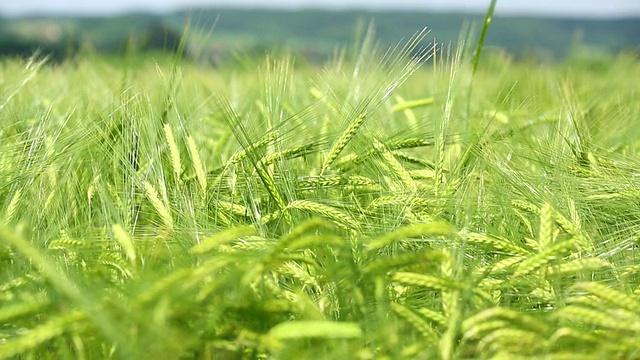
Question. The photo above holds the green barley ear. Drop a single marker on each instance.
(126, 243)
(184, 277)
(222, 238)
(435, 283)
(382, 265)
(159, 205)
(610, 296)
(37, 336)
(22, 309)
(544, 258)
(308, 330)
(396, 168)
(576, 266)
(176, 163)
(337, 216)
(198, 167)
(417, 321)
(496, 242)
(512, 340)
(411, 231)
(13, 205)
(598, 318)
(406, 105)
(315, 182)
(303, 229)
(424, 280)
(93, 186)
(63, 284)
(545, 234)
(517, 319)
(66, 244)
(234, 121)
(346, 136)
(435, 317)
(33, 66)
(400, 69)
(291, 153)
(119, 266)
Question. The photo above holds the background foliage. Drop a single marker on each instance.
(375, 207)
(312, 33)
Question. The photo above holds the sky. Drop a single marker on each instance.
(572, 8)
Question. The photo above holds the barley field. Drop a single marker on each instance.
(391, 204)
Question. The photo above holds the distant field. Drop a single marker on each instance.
(218, 33)
(377, 207)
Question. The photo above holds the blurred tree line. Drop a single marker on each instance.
(216, 34)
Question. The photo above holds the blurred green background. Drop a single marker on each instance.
(218, 35)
